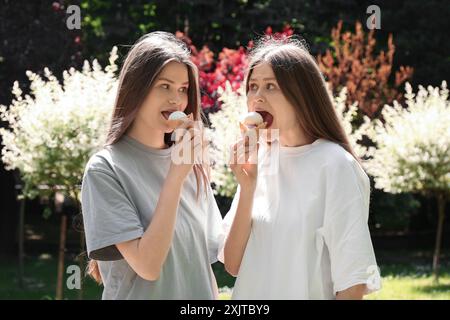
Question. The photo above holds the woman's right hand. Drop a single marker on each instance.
(185, 151)
(244, 164)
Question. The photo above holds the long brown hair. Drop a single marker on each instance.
(144, 62)
(301, 82)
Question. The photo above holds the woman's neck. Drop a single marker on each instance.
(147, 136)
(294, 138)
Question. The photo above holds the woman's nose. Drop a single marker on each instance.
(256, 99)
(175, 100)
(259, 97)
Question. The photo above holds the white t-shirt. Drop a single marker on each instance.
(309, 236)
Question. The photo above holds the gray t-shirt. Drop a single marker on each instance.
(120, 190)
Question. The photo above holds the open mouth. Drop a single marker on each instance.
(267, 117)
(166, 114)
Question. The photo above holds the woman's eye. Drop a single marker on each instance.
(270, 86)
(165, 86)
(253, 87)
(184, 89)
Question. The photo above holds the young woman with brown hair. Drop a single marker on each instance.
(152, 224)
(299, 232)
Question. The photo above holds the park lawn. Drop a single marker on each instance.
(40, 281)
(399, 282)
(412, 288)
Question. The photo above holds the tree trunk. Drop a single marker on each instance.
(437, 249)
(21, 242)
(62, 247)
(81, 265)
(78, 225)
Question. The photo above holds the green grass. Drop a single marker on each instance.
(40, 281)
(400, 281)
(412, 288)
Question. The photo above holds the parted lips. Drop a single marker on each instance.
(252, 120)
(177, 118)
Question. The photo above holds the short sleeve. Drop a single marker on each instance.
(226, 224)
(213, 228)
(109, 216)
(345, 230)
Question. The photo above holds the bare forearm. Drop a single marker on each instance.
(353, 293)
(147, 254)
(239, 233)
(156, 241)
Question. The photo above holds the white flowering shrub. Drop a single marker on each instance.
(225, 130)
(347, 116)
(413, 144)
(223, 133)
(54, 130)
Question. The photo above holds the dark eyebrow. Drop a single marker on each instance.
(170, 81)
(264, 79)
